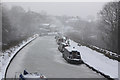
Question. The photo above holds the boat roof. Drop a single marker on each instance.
(70, 48)
(63, 43)
(31, 76)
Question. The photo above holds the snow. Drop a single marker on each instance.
(45, 24)
(111, 53)
(8, 55)
(70, 49)
(94, 59)
(31, 76)
(97, 60)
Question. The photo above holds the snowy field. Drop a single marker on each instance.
(97, 60)
(9, 54)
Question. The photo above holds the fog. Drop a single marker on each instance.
(82, 9)
(83, 22)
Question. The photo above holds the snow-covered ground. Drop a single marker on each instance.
(91, 57)
(8, 55)
(97, 60)
(106, 51)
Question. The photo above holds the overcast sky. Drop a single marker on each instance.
(82, 9)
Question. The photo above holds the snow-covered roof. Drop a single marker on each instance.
(46, 24)
(64, 37)
(31, 76)
(70, 49)
(63, 43)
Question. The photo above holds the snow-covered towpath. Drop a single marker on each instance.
(97, 60)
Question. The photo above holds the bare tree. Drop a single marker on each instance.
(109, 20)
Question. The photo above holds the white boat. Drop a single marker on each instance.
(33, 76)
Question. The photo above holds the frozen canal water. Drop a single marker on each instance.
(42, 56)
